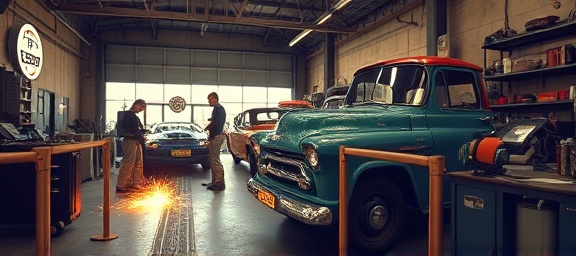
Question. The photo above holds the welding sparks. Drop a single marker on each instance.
(156, 196)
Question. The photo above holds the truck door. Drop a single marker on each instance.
(455, 113)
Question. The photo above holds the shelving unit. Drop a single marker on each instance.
(16, 97)
(525, 40)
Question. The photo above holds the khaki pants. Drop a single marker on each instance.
(132, 168)
(215, 163)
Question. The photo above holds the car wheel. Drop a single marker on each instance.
(205, 164)
(376, 216)
(236, 159)
(253, 163)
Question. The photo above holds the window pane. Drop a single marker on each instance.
(201, 115)
(255, 105)
(230, 93)
(150, 92)
(276, 95)
(183, 116)
(153, 114)
(172, 90)
(112, 108)
(200, 93)
(121, 91)
(232, 109)
(255, 94)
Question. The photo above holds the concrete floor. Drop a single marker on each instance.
(201, 222)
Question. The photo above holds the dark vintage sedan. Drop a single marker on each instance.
(176, 143)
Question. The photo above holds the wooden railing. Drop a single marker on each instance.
(42, 157)
(436, 167)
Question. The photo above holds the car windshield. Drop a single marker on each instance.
(333, 103)
(189, 127)
(402, 85)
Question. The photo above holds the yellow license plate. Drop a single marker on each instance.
(181, 153)
(266, 198)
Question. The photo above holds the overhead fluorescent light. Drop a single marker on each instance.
(341, 4)
(321, 21)
(299, 37)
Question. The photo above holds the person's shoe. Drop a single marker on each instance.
(136, 187)
(208, 184)
(216, 187)
(123, 190)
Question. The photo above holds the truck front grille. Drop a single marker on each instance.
(286, 169)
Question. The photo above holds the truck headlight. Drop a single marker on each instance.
(311, 155)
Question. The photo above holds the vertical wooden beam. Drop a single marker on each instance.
(43, 163)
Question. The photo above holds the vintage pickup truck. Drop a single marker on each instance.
(418, 105)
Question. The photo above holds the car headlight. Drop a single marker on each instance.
(152, 145)
(311, 155)
(203, 143)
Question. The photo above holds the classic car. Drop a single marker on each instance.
(176, 143)
(252, 121)
(420, 105)
(333, 102)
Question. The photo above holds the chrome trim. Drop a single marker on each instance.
(301, 178)
(304, 212)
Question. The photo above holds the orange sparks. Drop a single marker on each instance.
(156, 196)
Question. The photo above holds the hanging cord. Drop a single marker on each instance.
(506, 27)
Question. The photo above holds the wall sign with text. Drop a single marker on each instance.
(25, 50)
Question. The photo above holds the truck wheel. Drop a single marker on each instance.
(375, 216)
(253, 163)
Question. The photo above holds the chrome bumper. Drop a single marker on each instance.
(307, 213)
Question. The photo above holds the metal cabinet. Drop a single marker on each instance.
(485, 216)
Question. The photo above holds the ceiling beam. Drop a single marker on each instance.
(248, 21)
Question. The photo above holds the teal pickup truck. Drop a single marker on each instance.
(418, 105)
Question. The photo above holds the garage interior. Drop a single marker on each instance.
(98, 56)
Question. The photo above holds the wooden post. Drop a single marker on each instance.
(343, 205)
(435, 230)
(106, 236)
(43, 165)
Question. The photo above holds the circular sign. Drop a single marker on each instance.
(177, 104)
(25, 50)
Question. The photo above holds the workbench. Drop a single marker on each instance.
(484, 212)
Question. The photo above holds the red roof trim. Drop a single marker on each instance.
(424, 60)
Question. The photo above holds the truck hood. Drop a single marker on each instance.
(296, 126)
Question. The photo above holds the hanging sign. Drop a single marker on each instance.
(177, 104)
(25, 50)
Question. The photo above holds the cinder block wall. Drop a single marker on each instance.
(469, 22)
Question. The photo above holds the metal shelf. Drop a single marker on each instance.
(559, 103)
(559, 30)
(536, 73)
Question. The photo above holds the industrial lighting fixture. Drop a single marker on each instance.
(299, 37)
(321, 21)
(326, 17)
(341, 4)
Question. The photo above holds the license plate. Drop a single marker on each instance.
(181, 153)
(266, 198)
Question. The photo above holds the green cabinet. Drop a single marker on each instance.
(485, 215)
(567, 229)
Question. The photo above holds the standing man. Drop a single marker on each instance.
(130, 175)
(216, 132)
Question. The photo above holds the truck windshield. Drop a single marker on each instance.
(402, 85)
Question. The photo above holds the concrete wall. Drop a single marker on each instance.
(61, 46)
